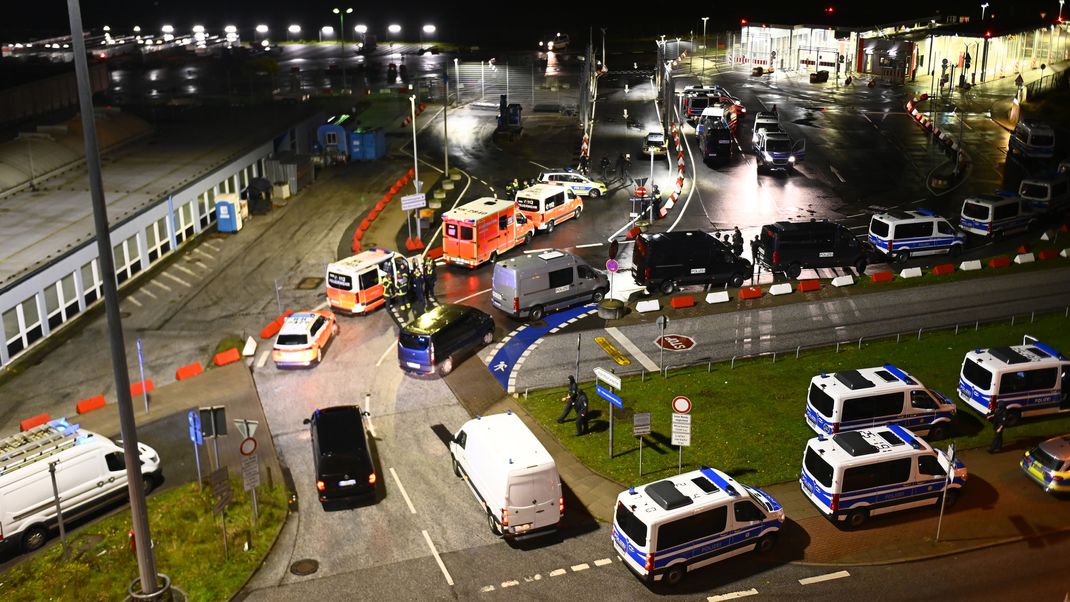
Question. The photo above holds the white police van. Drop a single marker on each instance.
(994, 215)
(665, 529)
(1047, 194)
(856, 399)
(1033, 139)
(1031, 378)
(902, 234)
(852, 476)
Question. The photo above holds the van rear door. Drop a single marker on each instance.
(533, 497)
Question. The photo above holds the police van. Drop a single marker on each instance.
(531, 285)
(1031, 378)
(1033, 139)
(665, 529)
(868, 397)
(902, 234)
(852, 476)
(993, 215)
(1050, 194)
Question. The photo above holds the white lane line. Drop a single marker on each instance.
(837, 173)
(200, 264)
(590, 244)
(177, 279)
(208, 255)
(539, 165)
(512, 583)
(580, 567)
(149, 293)
(919, 201)
(438, 559)
(530, 251)
(212, 246)
(162, 285)
(632, 349)
(825, 577)
(557, 572)
(134, 300)
(322, 306)
(733, 595)
(404, 494)
(487, 290)
(486, 588)
(263, 358)
(386, 353)
(535, 577)
(186, 270)
(603, 561)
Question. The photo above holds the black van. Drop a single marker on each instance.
(666, 260)
(788, 247)
(441, 336)
(344, 469)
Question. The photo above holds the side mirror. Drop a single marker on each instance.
(306, 421)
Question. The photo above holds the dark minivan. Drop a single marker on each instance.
(788, 247)
(344, 469)
(666, 260)
(441, 337)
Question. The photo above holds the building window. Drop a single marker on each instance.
(91, 282)
(157, 239)
(127, 259)
(13, 332)
(187, 220)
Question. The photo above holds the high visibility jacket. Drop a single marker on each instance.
(388, 287)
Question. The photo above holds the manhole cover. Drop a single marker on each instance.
(304, 567)
(308, 284)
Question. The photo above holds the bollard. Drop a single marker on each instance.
(774, 357)
(733, 362)
(956, 328)
(837, 347)
(797, 347)
(976, 325)
(919, 333)
(860, 343)
(1012, 320)
(897, 335)
(709, 365)
(525, 392)
(642, 378)
(1032, 315)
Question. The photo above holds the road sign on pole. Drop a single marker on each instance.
(607, 377)
(246, 427)
(611, 380)
(250, 472)
(197, 437)
(947, 482)
(681, 405)
(413, 201)
(681, 436)
(640, 427)
(662, 322)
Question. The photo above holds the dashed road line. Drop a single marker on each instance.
(535, 577)
(486, 588)
(211, 246)
(462, 299)
(149, 293)
(590, 244)
(512, 583)
(837, 173)
(539, 165)
(603, 561)
(438, 558)
(733, 595)
(162, 285)
(825, 577)
(401, 488)
(632, 349)
(134, 300)
(200, 264)
(263, 358)
(557, 572)
(530, 251)
(580, 567)
(186, 270)
(177, 279)
(208, 255)
(322, 306)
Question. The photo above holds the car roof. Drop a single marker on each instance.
(436, 319)
(899, 216)
(477, 209)
(299, 323)
(540, 190)
(655, 136)
(1033, 353)
(681, 494)
(337, 426)
(1058, 447)
(868, 445)
(871, 380)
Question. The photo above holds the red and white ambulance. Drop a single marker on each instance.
(482, 230)
(355, 284)
(546, 205)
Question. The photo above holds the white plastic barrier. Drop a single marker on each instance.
(250, 347)
(843, 280)
(1065, 253)
(645, 306)
(970, 266)
(910, 273)
(1024, 258)
(782, 289)
(718, 297)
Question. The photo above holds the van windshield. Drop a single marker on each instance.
(976, 375)
(1033, 190)
(634, 528)
(412, 341)
(974, 210)
(821, 401)
(778, 146)
(1042, 140)
(818, 467)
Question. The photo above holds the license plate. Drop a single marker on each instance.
(347, 483)
(1036, 472)
(412, 364)
(808, 487)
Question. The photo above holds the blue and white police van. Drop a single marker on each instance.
(665, 529)
(995, 215)
(903, 234)
(1033, 139)
(856, 399)
(1031, 378)
(852, 476)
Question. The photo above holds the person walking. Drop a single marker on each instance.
(569, 399)
(754, 245)
(737, 242)
(581, 413)
(429, 279)
(417, 272)
(402, 291)
(999, 420)
(585, 165)
(627, 175)
(605, 169)
(620, 166)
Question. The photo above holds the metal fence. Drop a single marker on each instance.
(1048, 83)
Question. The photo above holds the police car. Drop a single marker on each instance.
(303, 338)
(580, 184)
(902, 234)
(1049, 464)
(852, 476)
(655, 144)
(667, 528)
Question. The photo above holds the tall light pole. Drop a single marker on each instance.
(445, 109)
(705, 49)
(1061, 10)
(362, 29)
(427, 29)
(457, 78)
(983, 7)
(292, 31)
(342, 38)
(415, 162)
(261, 31)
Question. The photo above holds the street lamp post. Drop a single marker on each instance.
(342, 39)
(457, 78)
(292, 31)
(705, 49)
(415, 162)
(427, 29)
(983, 7)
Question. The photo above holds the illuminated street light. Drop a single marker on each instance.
(983, 7)
(261, 28)
(137, 29)
(292, 30)
(167, 29)
(429, 29)
(361, 29)
(198, 29)
(230, 29)
(341, 38)
(394, 28)
(107, 28)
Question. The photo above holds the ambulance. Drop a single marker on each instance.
(546, 205)
(355, 284)
(482, 230)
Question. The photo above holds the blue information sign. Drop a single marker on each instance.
(609, 396)
(195, 434)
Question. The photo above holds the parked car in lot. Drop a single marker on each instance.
(996, 216)
(343, 465)
(440, 338)
(303, 338)
(1049, 464)
(903, 234)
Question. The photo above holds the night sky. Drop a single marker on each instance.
(481, 21)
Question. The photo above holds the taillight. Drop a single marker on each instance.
(371, 479)
(431, 348)
(649, 562)
(776, 256)
(835, 427)
(991, 403)
(1056, 477)
(516, 303)
(646, 273)
(835, 502)
(561, 505)
(320, 486)
(889, 245)
(505, 517)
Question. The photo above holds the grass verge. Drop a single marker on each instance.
(187, 540)
(749, 421)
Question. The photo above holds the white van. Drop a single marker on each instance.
(852, 476)
(1033, 139)
(858, 399)
(511, 474)
(903, 234)
(1031, 378)
(531, 285)
(90, 472)
(665, 529)
(1046, 194)
(991, 215)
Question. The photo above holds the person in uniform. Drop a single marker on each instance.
(737, 242)
(389, 290)
(429, 279)
(569, 399)
(401, 289)
(754, 245)
(417, 272)
(581, 413)
(999, 420)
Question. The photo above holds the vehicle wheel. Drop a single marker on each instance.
(493, 257)
(598, 295)
(902, 256)
(1013, 418)
(860, 266)
(456, 467)
(667, 287)
(148, 484)
(793, 271)
(530, 236)
(595, 193)
(675, 575)
(937, 432)
(493, 524)
(951, 497)
(34, 537)
(856, 518)
(955, 250)
(737, 280)
(536, 313)
(765, 544)
(488, 337)
(550, 227)
(445, 367)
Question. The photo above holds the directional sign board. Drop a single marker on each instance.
(250, 472)
(681, 429)
(195, 434)
(640, 424)
(607, 377)
(609, 396)
(413, 201)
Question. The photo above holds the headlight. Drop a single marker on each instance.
(791, 159)
(767, 156)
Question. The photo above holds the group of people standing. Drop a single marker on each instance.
(415, 286)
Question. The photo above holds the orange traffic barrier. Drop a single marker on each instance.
(37, 420)
(374, 213)
(807, 286)
(411, 172)
(381, 204)
(356, 241)
(881, 277)
(1046, 254)
(943, 268)
(364, 223)
(88, 405)
(189, 371)
(271, 329)
(750, 292)
(1023, 249)
(999, 262)
(682, 301)
(140, 388)
(227, 357)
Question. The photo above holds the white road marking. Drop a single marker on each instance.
(438, 559)
(208, 255)
(149, 293)
(386, 353)
(733, 595)
(590, 244)
(837, 172)
(322, 306)
(512, 583)
(162, 285)
(530, 251)
(177, 279)
(540, 165)
(263, 358)
(211, 246)
(200, 264)
(535, 577)
(472, 295)
(486, 588)
(557, 572)
(919, 201)
(134, 300)
(580, 567)
(186, 270)
(404, 494)
(825, 577)
(632, 349)
(603, 561)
